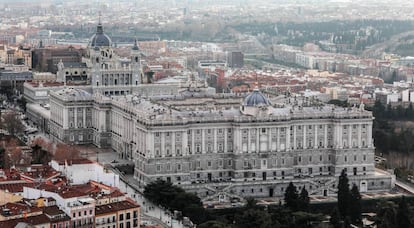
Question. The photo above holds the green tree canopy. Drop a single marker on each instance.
(214, 224)
(403, 214)
(355, 206)
(161, 192)
(303, 200)
(343, 194)
(291, 197)
(254, 218)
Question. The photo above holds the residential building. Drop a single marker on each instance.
(122, 214)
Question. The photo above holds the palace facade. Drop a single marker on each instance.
(216, 144)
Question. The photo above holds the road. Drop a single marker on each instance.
(149, 211)
(407, 187)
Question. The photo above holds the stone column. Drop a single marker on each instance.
(350, 145)
(326, 136)
(214, 140)
(269, 139)
(369, 139)
(150, 144)
(316, 143)
(203, 141)
(258, 130)
(75, 113)
(305, 145)
(359, 136)
(248, 141)
(84, 118)
(278, 140)
(184, 145)
(162, 144)
(193, 151)
(339, 135)
(173, 144)
(288, 138)
(294, 137)
(235, 138)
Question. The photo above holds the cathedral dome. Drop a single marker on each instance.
(256, 98)
(100, 39)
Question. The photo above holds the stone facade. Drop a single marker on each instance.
(71, 116)
(221, 145)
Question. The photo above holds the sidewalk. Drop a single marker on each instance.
(129, 185)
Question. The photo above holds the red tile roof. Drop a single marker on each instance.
(18, 208)
(15, 187)
(55, 214)
(114, 207)
(32, 220)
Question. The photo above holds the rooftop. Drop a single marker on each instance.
(113, 207)
(32, 220)
(15, 187)
(12, 209)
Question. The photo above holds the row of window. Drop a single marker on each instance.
(80, 124)
(168, 166)
(84, 213)
(197, 132)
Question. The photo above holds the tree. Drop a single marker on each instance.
(355, 206)
(183, 200)
(214, 224)
(335, 219)
(343, 194)
(254, 218)
(41, 151)
(12, 123)
(161, 192)
(13, 154)
(386, 215)
(175, 198)
(305, 219)
(304, 200)
(403, 214)
(291, 197)
(196, 213)
(251, 203)
(65, 152)
(45, 145)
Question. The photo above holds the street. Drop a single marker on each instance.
(149, 211)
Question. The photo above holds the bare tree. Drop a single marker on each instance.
(66, 152)
(12, 123)
(13, 154)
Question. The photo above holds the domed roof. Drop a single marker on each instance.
(100, 39)
(256, 98)
(135, 47)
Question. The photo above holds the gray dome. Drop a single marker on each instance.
(256, 98)
(100, 39)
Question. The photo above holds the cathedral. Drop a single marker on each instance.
(102, 69)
